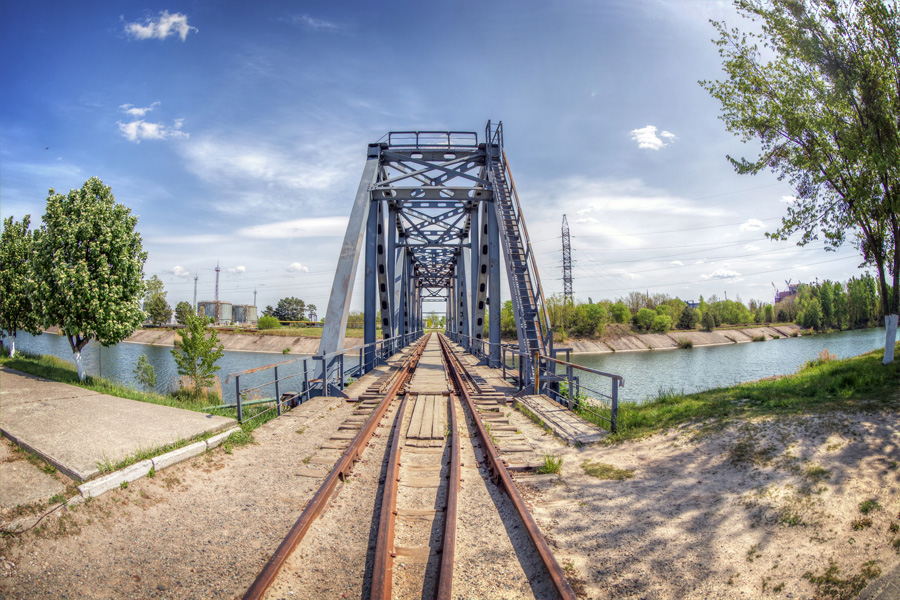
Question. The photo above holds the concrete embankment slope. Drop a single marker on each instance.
(668, 341)
(242, 342)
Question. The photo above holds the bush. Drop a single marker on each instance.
(685, 343)
(688, 318)
(619, 313)
(661, 324)
(268, 322)
(644, 318)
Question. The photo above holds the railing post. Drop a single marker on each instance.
(503, 361)
(571, 384)
(341, 372)
(237, 391)
(305, 381)
(277, 395)
(537, 373)
(362, 365)
(613, 421)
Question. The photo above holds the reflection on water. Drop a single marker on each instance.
(701, 368)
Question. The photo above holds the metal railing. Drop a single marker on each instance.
(333, 373)
(432, 139)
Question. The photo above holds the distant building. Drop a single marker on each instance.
(692, 304)
(791, 291)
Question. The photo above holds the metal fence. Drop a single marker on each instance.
(302, 378)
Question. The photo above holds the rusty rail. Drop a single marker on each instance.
(445, 575)
(315, 507)
(500, 473)
(383, 570)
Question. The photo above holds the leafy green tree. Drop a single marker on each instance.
(198, 352)
(268, 322)
(841, 314)
(16, 252)
(812, 315)
(661, 324)
(769, 313)
(159, 310)
(688, 318)
(145, 373)
(88, 268)
(590, 320)
(822, 103)
(507, 320)
(182, 310)
(290, 309)
(619, 313)
(644, 318)
(708, 321)
(153, 287)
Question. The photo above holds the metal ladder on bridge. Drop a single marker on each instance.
(525, 291)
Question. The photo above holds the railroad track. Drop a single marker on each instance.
(429, 477)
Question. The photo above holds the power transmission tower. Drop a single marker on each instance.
(567, 261)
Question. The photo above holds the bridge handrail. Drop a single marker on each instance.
(432, 139)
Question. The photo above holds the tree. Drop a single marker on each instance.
(197, 355)
(290, 309)
(708, 321)
(589, 320)
(16, 252)
(824, 109)
(311, 310)
(769, 312)
(268, 322)
(159, 310)
(644, 318)
(153, 287)
(182, 310)
(507, 320)
(619, 313)
(661, 324)
(88, 268)
(688, 318)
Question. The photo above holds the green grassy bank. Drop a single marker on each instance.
(826, 384)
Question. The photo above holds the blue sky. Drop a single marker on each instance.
(237, 133)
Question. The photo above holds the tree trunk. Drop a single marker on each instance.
(77, 344)
(12, 345)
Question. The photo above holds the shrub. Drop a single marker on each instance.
(685, 343)
(661, 324)
(644, 318)
(619, 313)
(268, 322)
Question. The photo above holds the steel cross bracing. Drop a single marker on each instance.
(433, 211)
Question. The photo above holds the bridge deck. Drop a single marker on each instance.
(430, 376)
(568, 426)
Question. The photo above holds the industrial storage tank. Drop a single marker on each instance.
(244, 314)
(208, 309)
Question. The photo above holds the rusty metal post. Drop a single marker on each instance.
(237, 391)
(614, 417)
(537, 373)
(305, 381)
(277, 395)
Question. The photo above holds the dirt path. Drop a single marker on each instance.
(742, 512)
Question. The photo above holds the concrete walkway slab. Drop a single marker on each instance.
(568, 426)
(76, 429)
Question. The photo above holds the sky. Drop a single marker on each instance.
(237, 133)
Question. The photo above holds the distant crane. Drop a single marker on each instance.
(567, 261)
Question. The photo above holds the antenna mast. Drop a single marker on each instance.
(196, 277)
(567, 261)
(217, 293)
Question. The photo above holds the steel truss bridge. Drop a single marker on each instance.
(434, 213)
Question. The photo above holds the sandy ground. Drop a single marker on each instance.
(743, 512)
(739, 512)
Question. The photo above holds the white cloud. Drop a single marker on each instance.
(677, 262)
(751, 248)
(317, 24)
(788, 199)
(236, 270)
(137, 112)
(297, 268)
(161, 28)
(179, 271)
(751, 225)
(646, 138)
(138, 130)
(724, 273)
(228, 160)
(298, 228)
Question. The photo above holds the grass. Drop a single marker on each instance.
(552, 464)
(685, 343)
(604, 471)
(867, 506)
(820, 385)
(829, 585)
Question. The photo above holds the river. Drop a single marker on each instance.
(645, 373)
(701, 368)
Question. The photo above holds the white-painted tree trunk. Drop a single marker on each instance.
(890, 337)
(12, 346)
(79, 362)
